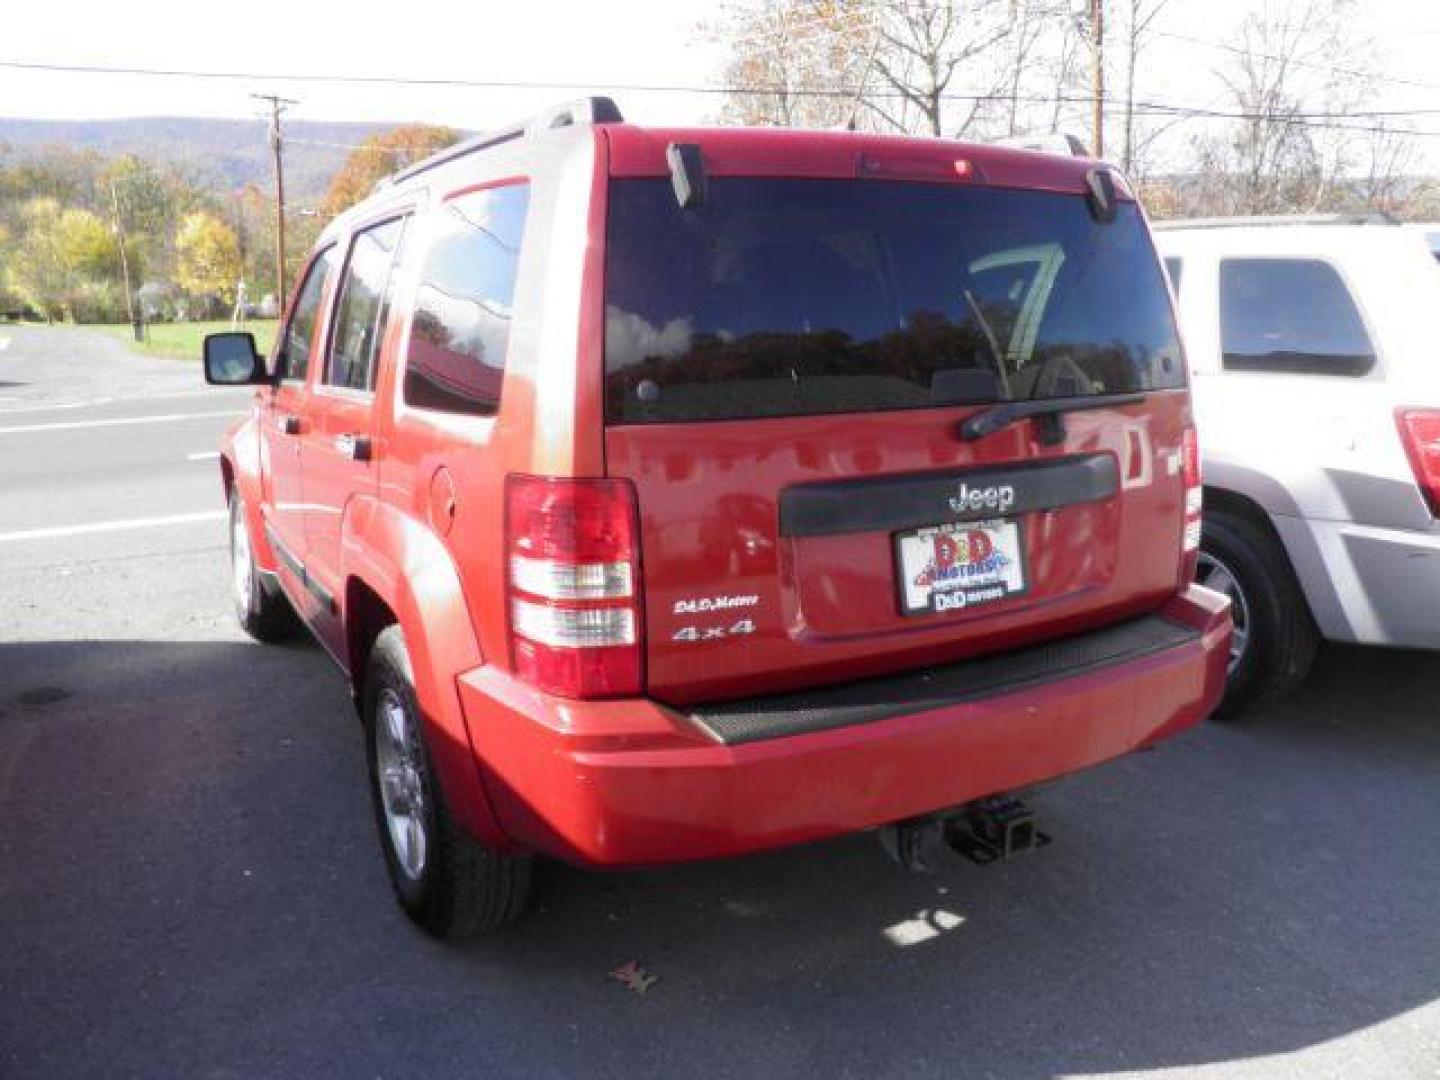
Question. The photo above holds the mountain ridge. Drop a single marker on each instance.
(221, 154)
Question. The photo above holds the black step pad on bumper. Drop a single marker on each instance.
(751, 719)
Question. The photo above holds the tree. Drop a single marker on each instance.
(1276, 159)
(208, 256)
(379, 156)
(1032, 22)
(65, 262)
(150, 200)
(37, 270)
(799, 63)
(924, 43)
(1139, 18)
(890, 65)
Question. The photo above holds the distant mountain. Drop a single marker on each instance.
(218, 154)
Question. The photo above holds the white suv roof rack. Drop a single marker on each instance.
(1275, 221)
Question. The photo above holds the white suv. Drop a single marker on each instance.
(1314, 345)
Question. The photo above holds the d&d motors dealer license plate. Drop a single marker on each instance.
(956, 566)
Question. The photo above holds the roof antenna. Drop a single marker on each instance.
(687, 174)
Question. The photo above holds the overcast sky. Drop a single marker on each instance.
(584, 44)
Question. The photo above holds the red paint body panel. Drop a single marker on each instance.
(826, 606)
(632, 783)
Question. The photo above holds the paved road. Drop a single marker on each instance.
(190, 886)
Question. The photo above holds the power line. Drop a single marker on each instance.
(1332, 120)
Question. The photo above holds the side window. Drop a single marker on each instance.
(461, 328)
(1293, 316)
(293, 358)
(1174, 268)
(363, 306)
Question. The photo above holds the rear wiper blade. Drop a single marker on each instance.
(990, 339)
(1003, 414)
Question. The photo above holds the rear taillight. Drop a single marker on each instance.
(1194, 503)
(573, 572)
(1420, 434)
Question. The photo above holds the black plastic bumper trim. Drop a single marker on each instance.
(890, 503)
(805, 711)
(296, 567)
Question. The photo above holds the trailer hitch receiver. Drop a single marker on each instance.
(994, 829)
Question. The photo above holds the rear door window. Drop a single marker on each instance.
(363, 308)
(292, 361)
(782, 297)
(463, 304)
(1291, 316)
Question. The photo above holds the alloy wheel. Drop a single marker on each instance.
(1214, 574)
(400, 772)
(241, 563)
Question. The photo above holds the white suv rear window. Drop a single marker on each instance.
(1292, 316)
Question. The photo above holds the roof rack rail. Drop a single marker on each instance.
(1046, 142)
(1273, 221)
(590, 110)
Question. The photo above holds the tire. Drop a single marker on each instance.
(1276, 637)
(260, 606)
(448, 883)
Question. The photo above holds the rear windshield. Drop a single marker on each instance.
(789, 297)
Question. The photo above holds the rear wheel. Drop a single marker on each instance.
(261, 608)
(447, 882)
(1275, 637)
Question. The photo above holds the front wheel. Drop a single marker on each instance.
(448, 883)
(1275, 637)
(260, 607)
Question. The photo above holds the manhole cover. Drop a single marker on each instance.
(43, 695)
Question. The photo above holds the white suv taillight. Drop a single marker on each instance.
(1420, 432)
(573, 573)
(1194, 503)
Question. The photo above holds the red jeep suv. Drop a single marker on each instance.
(673, 494)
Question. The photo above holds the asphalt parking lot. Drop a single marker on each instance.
(190, 885)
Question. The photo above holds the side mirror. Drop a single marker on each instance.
(231, 359)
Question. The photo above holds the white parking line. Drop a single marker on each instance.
(93, 403)
(25, 429)
(203, 455)
(112, 526)
(4, 343)
(53, 408)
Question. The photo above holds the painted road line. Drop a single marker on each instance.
(4, 343)
(53, 408)
(126, 525)
(203, 455)
(119, 421)
(95, 403)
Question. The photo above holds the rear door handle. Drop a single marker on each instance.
(354, 447)
(286, 424)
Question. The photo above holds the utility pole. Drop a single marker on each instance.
(124, 260)
(1097, 74)
(278, 106)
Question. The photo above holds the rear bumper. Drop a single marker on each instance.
(634, 782)
(1386, 582)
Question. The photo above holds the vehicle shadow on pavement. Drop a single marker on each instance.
(189, 866)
